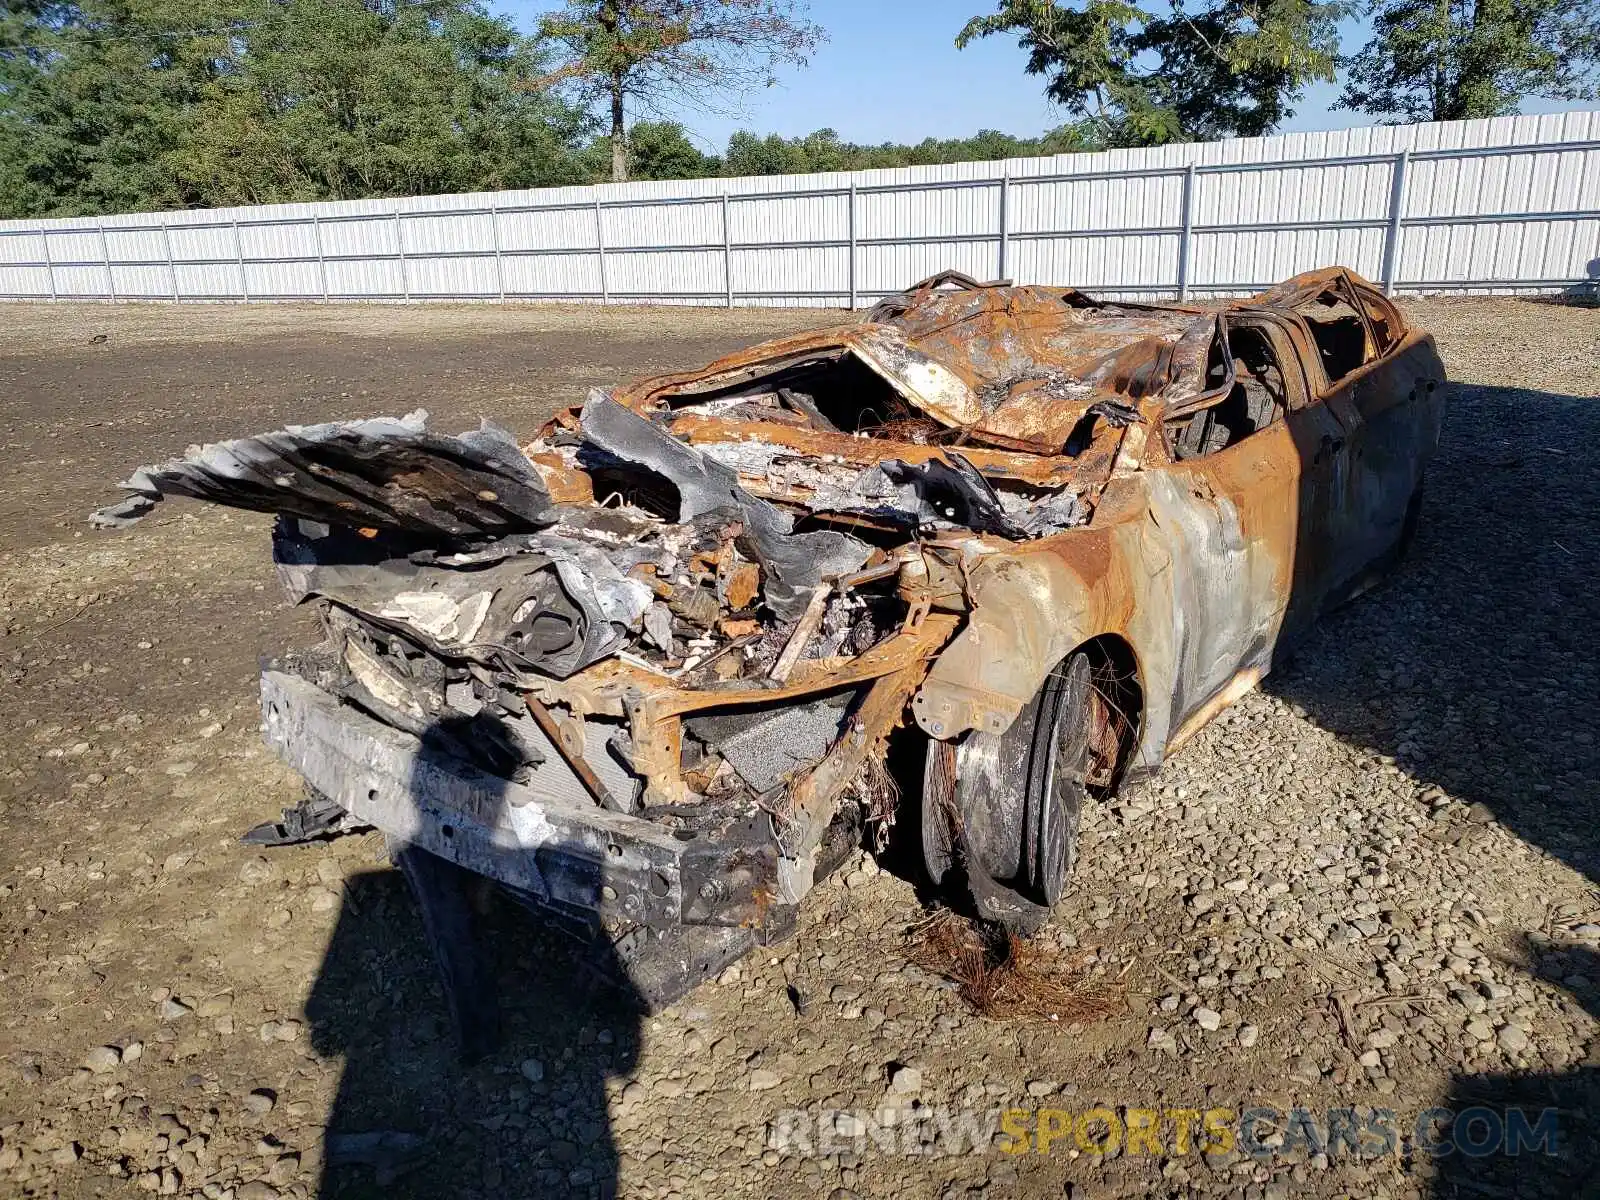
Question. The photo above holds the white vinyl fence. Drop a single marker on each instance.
(1510, 204)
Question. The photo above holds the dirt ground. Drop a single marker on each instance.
(1370, 884)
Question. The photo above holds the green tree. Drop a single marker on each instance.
(94, 98)
(750, 154)
(118, 105)
(1451, 60)
(657, 52)
(1136, 77)
(340, 99)
(1069, 139)
(662, 150)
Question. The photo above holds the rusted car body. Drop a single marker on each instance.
(647, 670)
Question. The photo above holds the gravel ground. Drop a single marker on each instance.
(1369, 885)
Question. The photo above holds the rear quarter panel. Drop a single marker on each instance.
(1399, 403)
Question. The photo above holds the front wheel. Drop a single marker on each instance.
(1000, 811)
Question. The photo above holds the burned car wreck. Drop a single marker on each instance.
(644, 670)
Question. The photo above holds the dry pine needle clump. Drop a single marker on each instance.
(1005, 977)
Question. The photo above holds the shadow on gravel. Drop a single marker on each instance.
(1531, 1134)
(1475, 665)
(443, 1093)
(1474, 668)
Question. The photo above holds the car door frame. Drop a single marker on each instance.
(1219, 526)
(1391, 418)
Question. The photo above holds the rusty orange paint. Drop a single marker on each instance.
(1198, 564)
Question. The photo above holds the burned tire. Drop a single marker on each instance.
(1000, 811)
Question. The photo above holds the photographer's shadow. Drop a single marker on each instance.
(444, 1092)
(1562, 1157)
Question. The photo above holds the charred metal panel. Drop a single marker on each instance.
(1027, 611)
(1218, 569)
(1396, 409)
(548, 602)
(794, 564)
(386, 473)
(547, 843)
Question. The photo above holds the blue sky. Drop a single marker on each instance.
(891, 72)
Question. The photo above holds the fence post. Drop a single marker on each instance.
(1397, 204)
(322, 257)
(727, 251)
(105, 253)
(49, 264)
(400, 244)
(600, 250)
(238, 252)
(1186, 238)
(499, 267)
(1005, 200)
(172, 267)
(850, 221)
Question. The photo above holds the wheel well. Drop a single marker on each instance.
(1114, 674)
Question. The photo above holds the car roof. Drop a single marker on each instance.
(997, 333)
(1014, 364)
